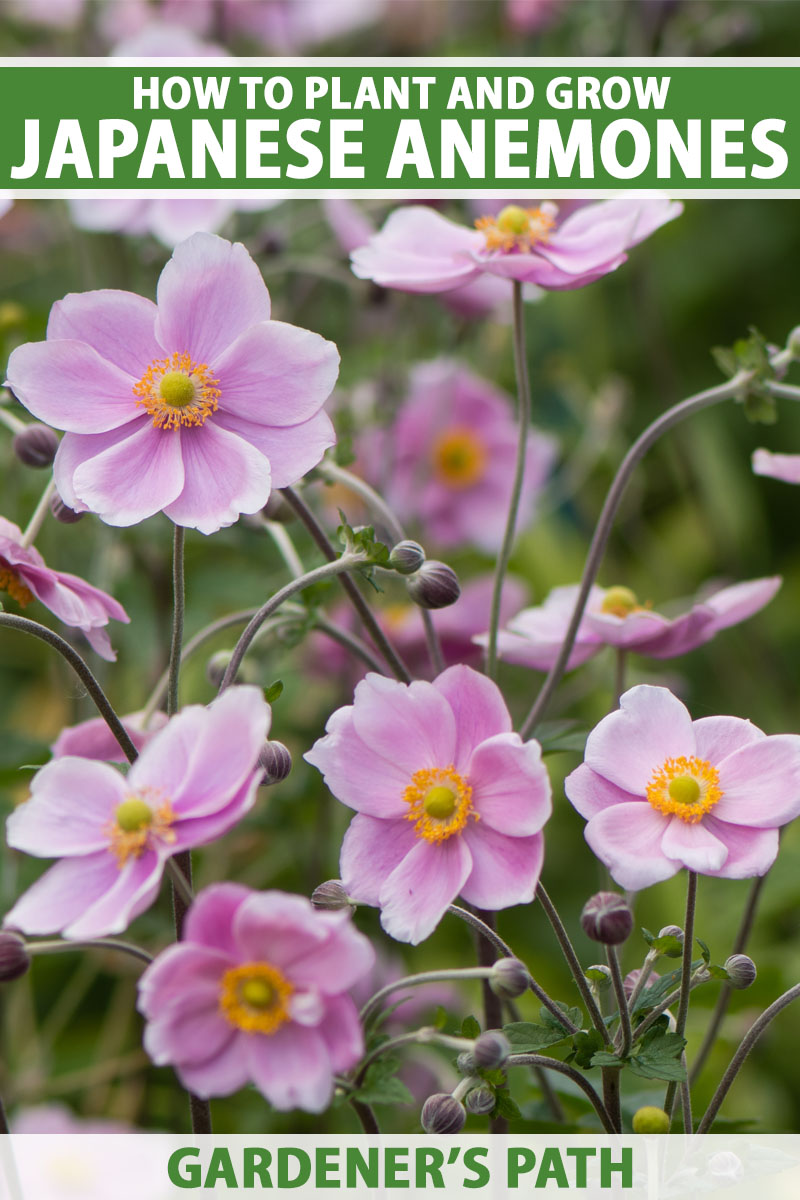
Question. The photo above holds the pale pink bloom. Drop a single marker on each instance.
(785, 467)
(196, 406)
(418, 250)
(25, 576)
(257, 991)
(58, 1119)
(171, 220)
(614, 617)
(447, 461)
(449, 801)
(661, 791)
(165, 39)
(284, 26)
(56, 14)
(93, 738)
(114, 833)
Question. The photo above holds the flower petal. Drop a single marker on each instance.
(341, 1029)
(292, 1068)
(134, 890)
(510, 785)
(761, 783)
(785, 467)
(505, 870)
(209, 920)
(693, 845)
(134, 479)
(356, 775)
(590, 793)
(72, 803)
(419, 891)
(118, 325)
(224, 1073)
(478, 707)
(717, 737)
(750, 851)
(70, 386)
(650, 726)
(224, 477)
(63, 893)
(418, 250)
(411, 725)
(292, 450)
(371, 850)
(178, 973)
(627, 838)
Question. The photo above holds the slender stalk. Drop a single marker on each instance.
(745, 1046)
(523, 427)
(339, 566)
(366, 1116)
(180, 881)
(624, 1038)
(686, 975)
(285, 547)
(59, 946)
(178, 611)
(685, 1093)
(568, 950)
(11, 422)
(455, 973)
(700, 976)
(486, 953)
(549, 1093)
(554, 1064)
(101, 701)
(644, 975)
(724, 998)
(611, 1096)
(483, 929)
(638, 450)
(620, 664)
(39, 514)
(350, 642)
(377, 635)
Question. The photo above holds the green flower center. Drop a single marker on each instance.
(257, 993)
(440, 802)
(684, 789)
(133, 815)
(619, 601)
(177, 389)
(513, 219)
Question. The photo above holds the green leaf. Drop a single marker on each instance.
(555, 737)
(717, 972)
(652, 996)
(648, 936)
(704, 950)
(668, 945)
(505, 1106)
(659, 1056)
(526, 1037)
(470, 1027)
(441, 1018)
(381, 1085)
(572, 1014)
(603, 1059)
(587, 1043)
(274, 690)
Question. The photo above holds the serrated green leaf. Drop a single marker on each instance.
(602, 1058)
(505, 1106)
(668, 945)
(652, 996)
(659, 1056)
(526, 1037)
(572, 1014)
(717, 972)
(381, 1085)
(586, 1044)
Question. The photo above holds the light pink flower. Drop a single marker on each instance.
(24, 575)
(785, 467)
(93, 738)
(285, 26)
(449, 801)
(447, 462)
(114, 833)
(257, 990)
(171, 220)
(196, 406)
(614, 617)
(661, 791)
(418, 250)
(165, 39)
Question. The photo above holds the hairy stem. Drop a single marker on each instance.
(59, 946)
(39, 514)
(624, 1038)
(573, 963)
(686, 977)
(554, 1064)
(455, 973)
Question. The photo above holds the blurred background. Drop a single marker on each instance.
(604, 361)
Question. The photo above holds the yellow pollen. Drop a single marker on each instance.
(10, 582)
(459, 458)
(143, 818)
(440, 803)
(177, 391)
(255, 997)
(685, 787)
(620, 602)
(516, 228)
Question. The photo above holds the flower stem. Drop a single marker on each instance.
(62, 946)
(611, 1096)
(686, 979)
(178, 610)
(745, 1046)
(638, 450)
(554, 1064)
(523, 428)
(621, 662)
(101, 701)
(366, 1116)
(573, 963)
(378, 637)
(39, 514)
(641, 982)
(624, 1035)
(483, 929)
(455, 973)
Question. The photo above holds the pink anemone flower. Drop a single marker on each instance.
(196, 405)
(257, 990)
(25, 576)
(93, 738)
(614, 617)
(785, 467)
(448, 800)
(661, 791)
(114, 833)
(419, 250)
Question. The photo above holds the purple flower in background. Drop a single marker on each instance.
(661, 791)
(93, 739)
(614, 617)
(448, 800)
(114, 833)
(257, 991)
(785, 467)
(196, 406)
(418, 250)
(25, 576)
(447, 462)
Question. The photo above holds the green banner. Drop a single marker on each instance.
(417, 127)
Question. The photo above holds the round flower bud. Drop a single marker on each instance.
(435, 585)
(276, 762)
(741, 971)
(63, 513)
(672, 931)
(491, 1049)
(331, 895)
(606, 918)
(442, 1113)
(598, 974)
(509, 978)
(480, 1101)
(36, 445)
(14, 957)
(650, 1120)
(407, 557)
(465, 1063)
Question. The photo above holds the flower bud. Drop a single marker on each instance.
(36, 445)
(331, 895)
(14, 957)
(442, 1113)
(741, 971)
(598, 974)
(217, 665)
(606, 918)
(632, 978)
(276, 762)
(650, 1120)
(480, 1101)
(672, 931)
(491, 1049)
(509, 978)
(465, 1063)
(407, 557)
(63, 513)
(435, 585)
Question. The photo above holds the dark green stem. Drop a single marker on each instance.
(568, 950)
(686, 979)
